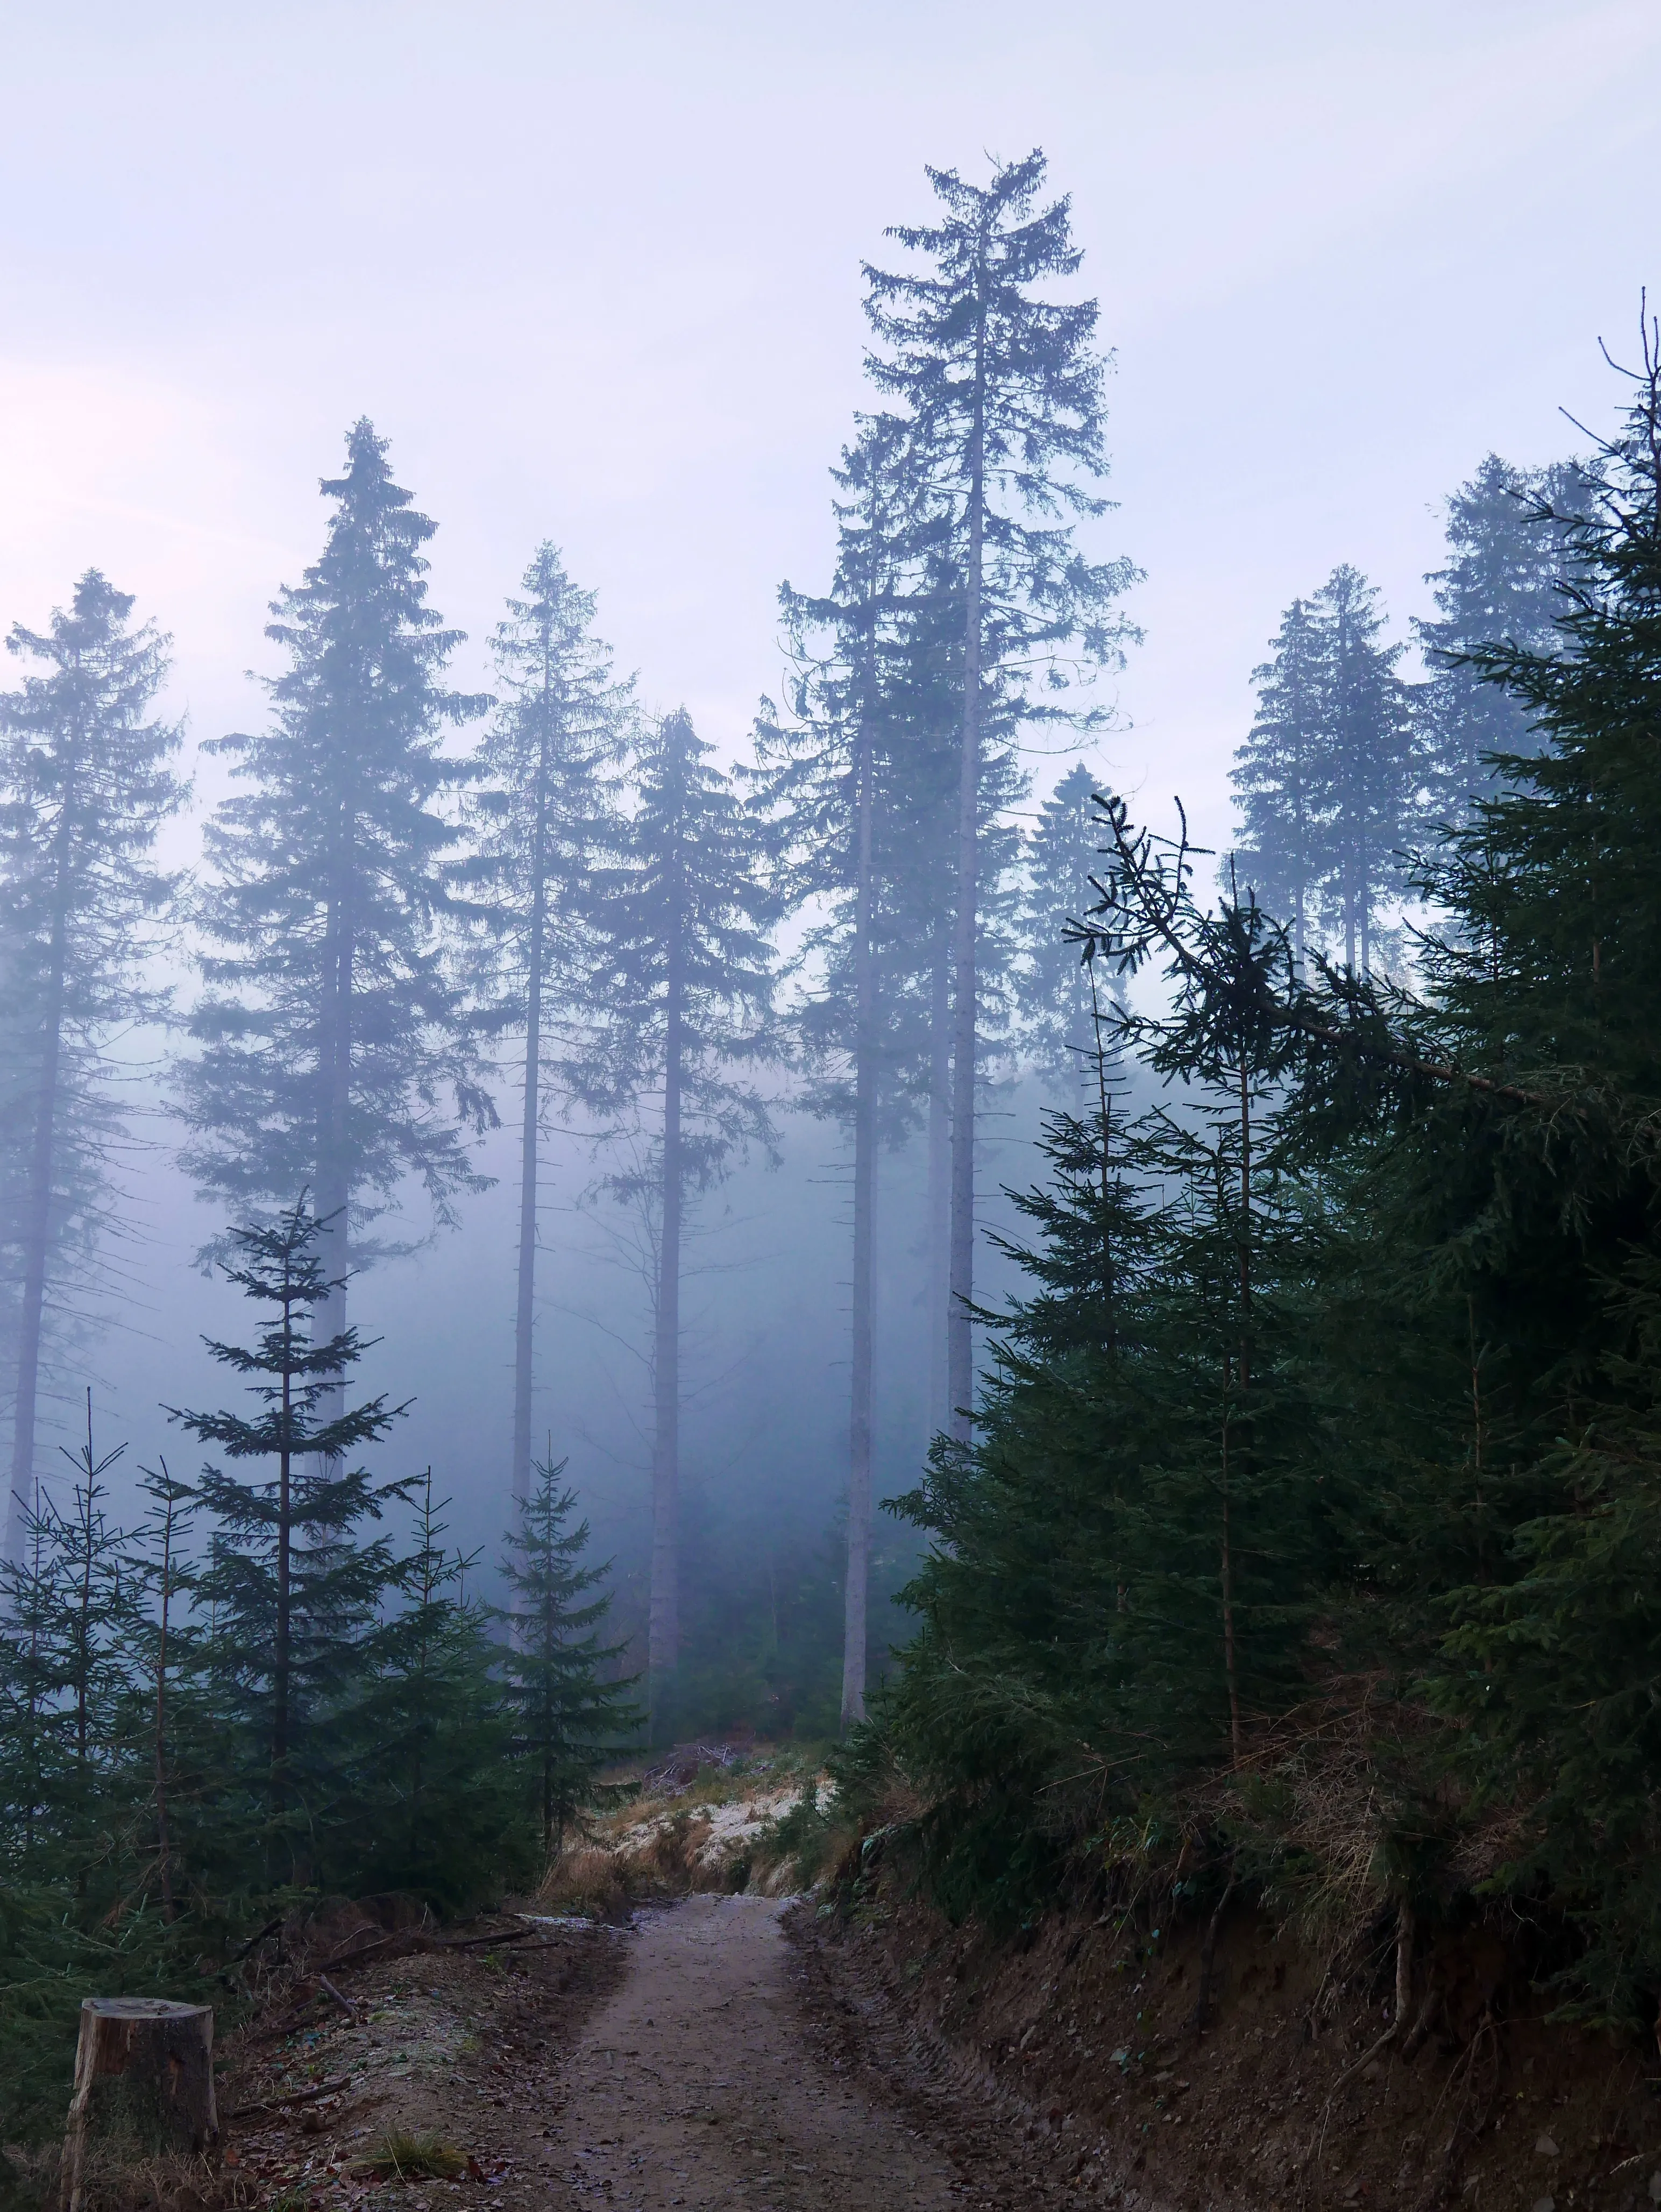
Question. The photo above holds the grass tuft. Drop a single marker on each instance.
(401, 2157)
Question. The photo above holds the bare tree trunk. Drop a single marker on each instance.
(664, 1640)
(939, 1192)
(334, 1190)
(525, 1312)
(854, 1632)
(37, 1208)
(163, 1840)
(960, 1356)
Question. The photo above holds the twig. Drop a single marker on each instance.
(298, 2097)
(345, 2003)
(481, 1943)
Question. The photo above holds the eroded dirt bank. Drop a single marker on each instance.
(1086, 2046)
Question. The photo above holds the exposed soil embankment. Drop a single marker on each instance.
(1294, 2091)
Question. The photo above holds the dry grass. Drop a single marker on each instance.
(401, 2157)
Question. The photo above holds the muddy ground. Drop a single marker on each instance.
(851, 2050)
(670, 2062)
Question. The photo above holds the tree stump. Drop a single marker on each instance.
(143, 2086)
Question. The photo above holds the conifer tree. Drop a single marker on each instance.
(293, 1590)
(1059, 1002)
(431, 1802)
(335, 1051)
(1003, 392)
(1370, 775)
(683, 967)
(1330, 780)
(546, 818)
(85, 785)
(570, 1716)
(71, 1615)
(1508, 557)
(849, 781)
(1279, 775)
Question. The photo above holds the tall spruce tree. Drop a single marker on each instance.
(1330, 783)
(85, 786)
(294, 1592)
(1002, 390)
(685, 973)
(336, 1054)
(1509, 555)
(849, 780)
(1059, 996)
(546, 818)
(1278, 775)
(1371, 772)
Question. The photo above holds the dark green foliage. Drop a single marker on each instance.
(1326, 1444)
(294, 1591)
(433, 1807)
(571, 1713)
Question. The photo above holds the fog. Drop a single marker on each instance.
(596, 275)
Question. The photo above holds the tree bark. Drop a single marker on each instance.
(960, 1356)
(938, 1290)
(334, 1190)
(525, 1311)
(663, 1638)
(143, 2083)
(37, 1208)
(856, 1590)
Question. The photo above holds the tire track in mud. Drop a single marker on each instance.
(695, 2085)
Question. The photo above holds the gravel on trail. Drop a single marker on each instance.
(685, 2060)
(692, 2086)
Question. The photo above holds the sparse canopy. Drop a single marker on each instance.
(85, 785)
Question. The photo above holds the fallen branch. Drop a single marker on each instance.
(345, 2003)
(481, 1942)
(297, 2097)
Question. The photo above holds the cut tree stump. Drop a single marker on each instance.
(143, 2086)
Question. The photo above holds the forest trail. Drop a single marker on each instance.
(694, 2084)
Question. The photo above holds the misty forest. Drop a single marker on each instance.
(1199, 1441)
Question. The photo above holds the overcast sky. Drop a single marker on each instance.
(596, 272)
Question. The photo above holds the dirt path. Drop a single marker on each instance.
(693, 2084)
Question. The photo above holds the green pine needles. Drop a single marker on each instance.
(1311, 1525)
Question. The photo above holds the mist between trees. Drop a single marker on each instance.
(1328, 1285)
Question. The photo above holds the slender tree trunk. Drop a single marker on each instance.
(37, 1204)
(282, 1655)
(524, 1321)
(854, 1634)
(334, 1190)
(163, 1842)
(664, 1640)
(960, 1355)
(938, 1292)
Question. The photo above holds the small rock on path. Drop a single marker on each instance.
(692, 2086)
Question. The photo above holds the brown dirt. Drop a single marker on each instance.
(698, 2058)
(664, 2065)
(1081, 2054)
